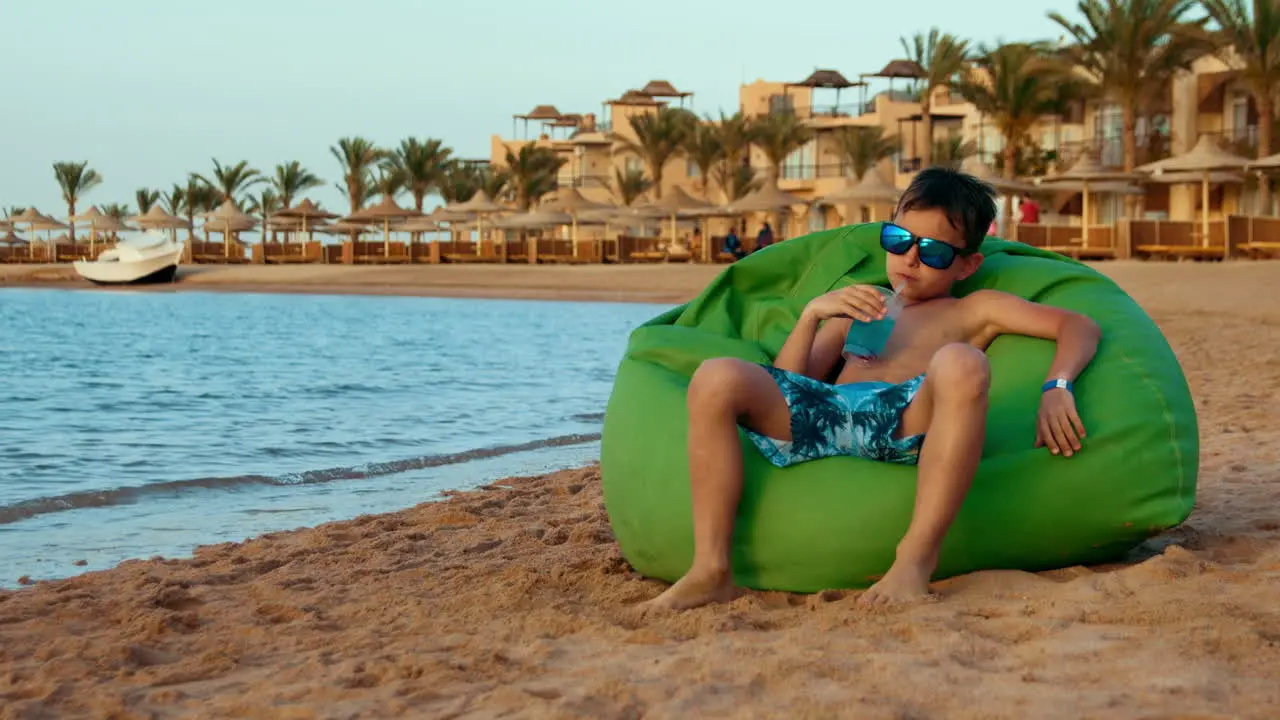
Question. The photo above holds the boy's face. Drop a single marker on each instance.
(917, 280)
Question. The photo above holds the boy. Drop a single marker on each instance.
(931, 380)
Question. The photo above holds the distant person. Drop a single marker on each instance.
(765, 237)
(1029, 210)
(733, 245)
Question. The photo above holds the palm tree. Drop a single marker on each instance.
(357, 156)
(493, 182)
(941, 56)
(1252, 32)
(145, 198)
(660, 136)
(1131, 50)
(175, 199)
(423, 164)
(1013, 85)
(291, 180)
(778, 135)
(704, 147)
(533, 173)
(75, 179)
(390, 182)
(230, 180)
(197, 197)
(861, 148)
(264, 204)
(737, 181)
(951, 151)
(630, 184)
(118, 211)
(736, 135)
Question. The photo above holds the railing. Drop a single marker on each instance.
(820, 111)
(809, 171)
(1109, 152)
(581, 181)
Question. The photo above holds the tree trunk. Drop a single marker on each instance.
(1266, 112)
(655, 169)
(1130, 141)
(926, 122)
(1010, 152)
(71, 230)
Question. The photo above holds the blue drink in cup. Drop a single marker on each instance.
(866, 340)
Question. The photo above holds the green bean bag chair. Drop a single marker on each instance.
(834, 523)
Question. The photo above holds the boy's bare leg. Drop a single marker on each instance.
(951, 409)
(723, 393)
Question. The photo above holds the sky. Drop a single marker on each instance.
(148, 91)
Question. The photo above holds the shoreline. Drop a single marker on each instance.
(514, 599)
(659, 284)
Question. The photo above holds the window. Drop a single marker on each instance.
(817, 219)
(1239, 118)
(691, 169)
(633, 164)
(799, 165)
(1108, 129)
(780, 105)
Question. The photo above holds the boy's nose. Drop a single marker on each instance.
(912, 256)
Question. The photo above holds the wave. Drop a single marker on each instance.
(124, 495)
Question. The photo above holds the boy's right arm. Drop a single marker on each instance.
(814, 352)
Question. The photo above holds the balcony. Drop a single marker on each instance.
(799, 171)
(582, 181)
(819, 111)
(1109, 152)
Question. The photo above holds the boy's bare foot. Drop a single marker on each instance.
(695, 589)
(906, 581)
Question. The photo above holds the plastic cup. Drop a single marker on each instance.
(866, 340)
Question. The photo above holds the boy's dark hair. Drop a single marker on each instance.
(968, 202)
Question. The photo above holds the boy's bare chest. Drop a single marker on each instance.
(917, 335)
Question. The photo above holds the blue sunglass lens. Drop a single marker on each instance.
(895, 240)
(936, 254)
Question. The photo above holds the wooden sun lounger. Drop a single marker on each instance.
(1260, 249)
(1183, 251)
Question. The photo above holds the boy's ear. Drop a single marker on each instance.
(970, 265)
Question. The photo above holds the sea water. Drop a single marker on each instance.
(135, 424)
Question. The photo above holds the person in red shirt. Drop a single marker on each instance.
(1030, 210)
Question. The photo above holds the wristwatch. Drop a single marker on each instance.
(1057, 383)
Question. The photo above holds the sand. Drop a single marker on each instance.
(513, 601)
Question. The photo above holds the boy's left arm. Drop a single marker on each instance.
(1058, 426)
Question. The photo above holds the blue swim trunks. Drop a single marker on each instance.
(857, 419)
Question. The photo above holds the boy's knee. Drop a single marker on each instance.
(960, 369)
(717, 381)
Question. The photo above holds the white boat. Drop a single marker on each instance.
(149, 257)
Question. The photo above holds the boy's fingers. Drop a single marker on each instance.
(1061, 435)
(1046, 437)
(1076, 423)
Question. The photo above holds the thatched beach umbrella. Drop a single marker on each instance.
(1088, 173)
(97, 222)
(49, 224)
(304, 211)
(385, 212)
(974, 166)
(870, 190)
(536, 219)
(477, 207)
(570, 200)
(228, 219)
(678, 203)
(1203, 159)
